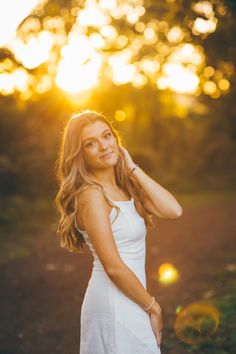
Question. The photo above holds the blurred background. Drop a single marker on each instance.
(164, 73)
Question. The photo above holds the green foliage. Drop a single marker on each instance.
(223, 341)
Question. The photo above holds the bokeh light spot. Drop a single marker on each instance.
(224, 85)
(168, 273)
(120, 115)
(209, 87)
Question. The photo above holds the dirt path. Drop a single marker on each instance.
(41, 296)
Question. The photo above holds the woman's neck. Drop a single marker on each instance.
(105, 177)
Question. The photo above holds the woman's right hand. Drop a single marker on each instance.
(156, 322)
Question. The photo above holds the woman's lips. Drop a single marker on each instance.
(106, 156)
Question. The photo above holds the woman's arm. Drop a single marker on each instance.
(96, 220)
(158, 200)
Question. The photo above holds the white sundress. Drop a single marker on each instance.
(110, 322)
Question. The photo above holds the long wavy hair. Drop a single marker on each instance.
(72, 177)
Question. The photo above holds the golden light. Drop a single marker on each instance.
(204, 8)
(180, 79)
(222, 9)
(93, 15)
(204, 26)
(218, 75)
(137, 44)
(7, 85)
(12, 13)
(17, 80)
(162, 83)
(197, 322)
(163, 26)
(216, 94)
(52, 69)
(122, 41)
(132, 12)
(175, 35)
(139, 80)
(149, 66)
(140, 26)
(163, 49)
(79, 66)
(109, 32)
(120, 116)
(107, 4)
(209, 87)
(187, 53)
(150, 35)
(97, 41)
(6, 64)
(20, 78)
(125, 54)
(224, 85)
(168, 273)
(45, 84)
(82, 54)
(122, 72)
(35, 51)
(132, 17)
(209, 71)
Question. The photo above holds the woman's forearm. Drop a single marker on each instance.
(126, 280)
(163, 200)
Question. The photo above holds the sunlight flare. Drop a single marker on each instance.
(33, 52)
(79, 66)
(12, 13)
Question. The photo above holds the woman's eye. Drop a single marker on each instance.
(90, 144)
(107, 135)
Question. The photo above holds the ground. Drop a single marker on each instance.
(42, 285)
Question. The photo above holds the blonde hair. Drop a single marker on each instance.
(72, 177)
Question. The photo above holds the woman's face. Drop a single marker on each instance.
(99, 145)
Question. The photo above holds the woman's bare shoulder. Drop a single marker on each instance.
(90, 194)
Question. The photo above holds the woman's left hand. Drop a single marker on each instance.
(129, 163)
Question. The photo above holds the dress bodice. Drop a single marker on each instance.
(129, 231)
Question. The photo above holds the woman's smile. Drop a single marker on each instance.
(107, 156)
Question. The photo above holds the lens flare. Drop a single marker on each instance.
(196, 323)
(168, 273)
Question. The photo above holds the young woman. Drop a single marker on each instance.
(107, 201)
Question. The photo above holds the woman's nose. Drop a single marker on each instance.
(103, 145)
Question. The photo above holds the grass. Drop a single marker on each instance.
(21, 219)
(223, 341)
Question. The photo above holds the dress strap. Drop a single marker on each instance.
(109, 198)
